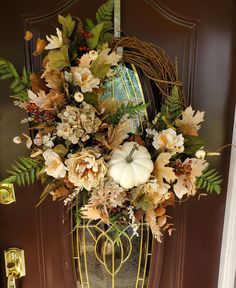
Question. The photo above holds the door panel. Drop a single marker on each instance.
(200, 34)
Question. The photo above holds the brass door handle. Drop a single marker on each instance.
(15, 265)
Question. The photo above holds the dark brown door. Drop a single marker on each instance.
(200, 34)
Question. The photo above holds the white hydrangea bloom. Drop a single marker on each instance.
(78, 123)
(109, 194)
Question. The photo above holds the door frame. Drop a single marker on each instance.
(227, 272)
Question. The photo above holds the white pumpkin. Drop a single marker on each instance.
(130, 165)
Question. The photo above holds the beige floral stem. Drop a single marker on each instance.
(129, 158)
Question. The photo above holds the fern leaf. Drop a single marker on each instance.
(25, 76)
(105, 12)
(10, 179)
(105, 15)
(128, 109)
(172, 106)
(23, 171)
(89, 24)
(19, 85)
(210, 180)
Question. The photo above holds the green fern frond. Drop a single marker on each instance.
(210, 180)
(172, 106)
(130, 109)
(105, 15)
(105, 12)
(89, 24)
(19, 85)
(23, 171)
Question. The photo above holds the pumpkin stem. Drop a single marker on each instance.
(129, 158)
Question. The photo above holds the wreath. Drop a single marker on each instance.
(91, 147)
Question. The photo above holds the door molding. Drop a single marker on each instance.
(228, 247)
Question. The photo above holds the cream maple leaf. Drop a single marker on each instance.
(118, 134)
(189, 124)
(54, 79)
(106, 58)
(91, 212)
(94, 213)
(38, 99)
(112, 59)
(186, 183)
(85, 61)
(161, 171)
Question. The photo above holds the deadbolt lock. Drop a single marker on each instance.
(7, 193)
(15, 265)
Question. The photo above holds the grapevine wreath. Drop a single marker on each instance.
(94, 149)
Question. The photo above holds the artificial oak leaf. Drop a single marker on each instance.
(37, 83)
(96, 32)
(54, 79)
(85, 61)
(162, 220)
(160, 211)
(59, 59)
(94, 213)
(68, 24)
(190, 123)
(60, 192)
(162, 172)
(109, 106)
(117, 134)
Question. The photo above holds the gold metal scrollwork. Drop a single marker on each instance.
(112, 251)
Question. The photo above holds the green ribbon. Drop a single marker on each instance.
(117, 16)
(117, 23)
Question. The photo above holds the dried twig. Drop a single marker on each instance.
(152, 61)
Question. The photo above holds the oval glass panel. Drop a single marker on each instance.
(106, 257)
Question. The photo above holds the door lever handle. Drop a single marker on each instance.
(15, 265)
(11, 281)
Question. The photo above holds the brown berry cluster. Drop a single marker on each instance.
(83, 49)
(86, 34)
(39, 116)
(120, 213)
(181, 168)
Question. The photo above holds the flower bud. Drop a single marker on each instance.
(200, 154)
